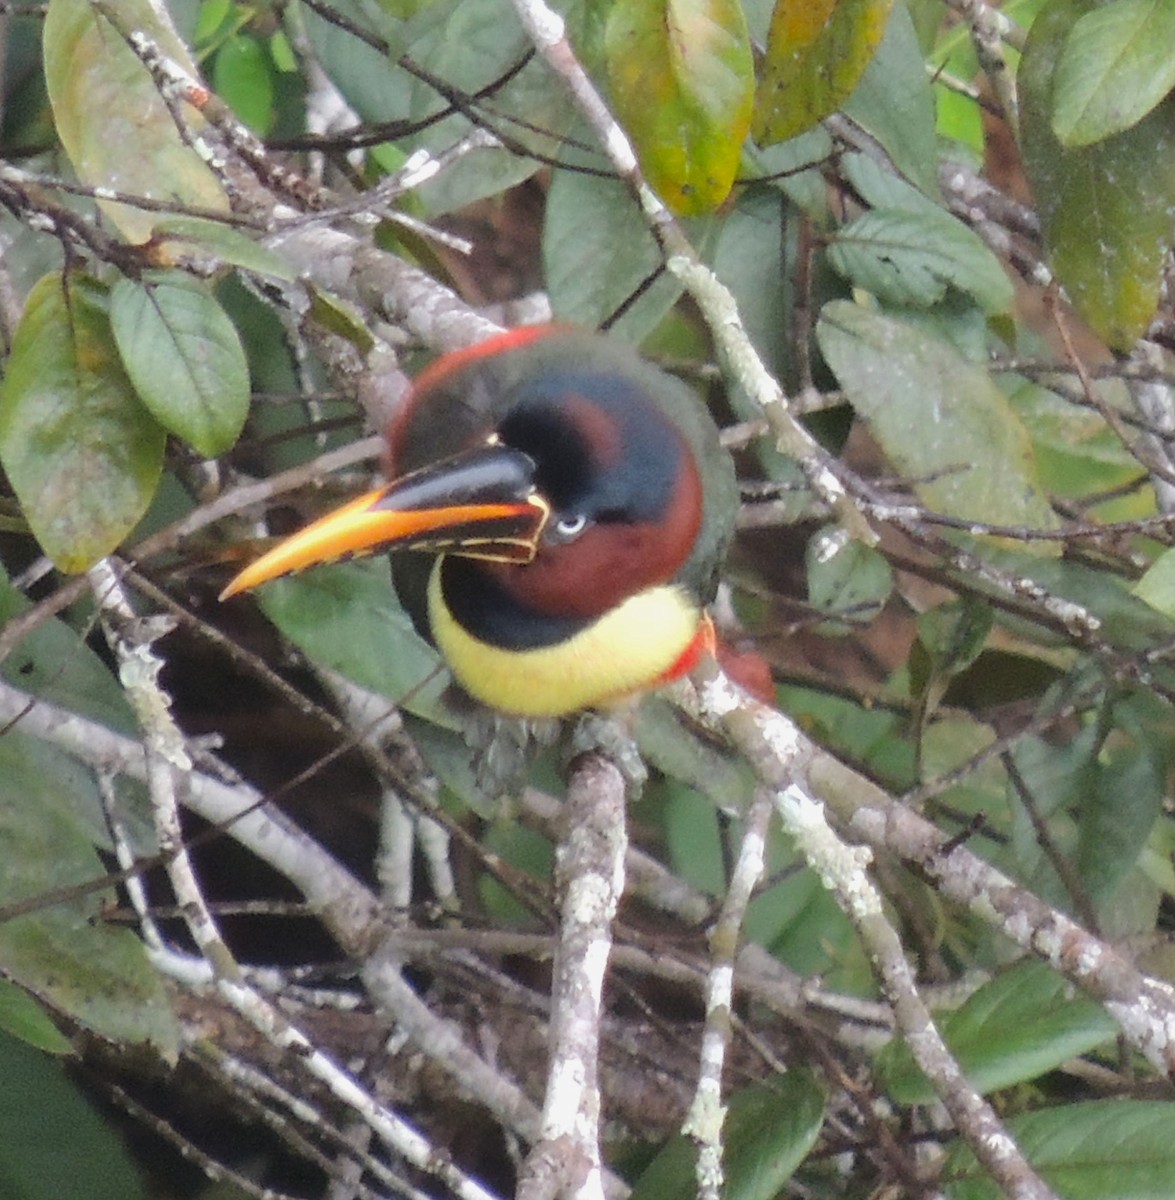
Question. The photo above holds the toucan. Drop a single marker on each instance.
(578, 505)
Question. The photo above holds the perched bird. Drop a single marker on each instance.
(578, 504)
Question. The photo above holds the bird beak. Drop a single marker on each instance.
(480, 503)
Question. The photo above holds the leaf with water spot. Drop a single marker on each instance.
(110, 117)
(939, 418)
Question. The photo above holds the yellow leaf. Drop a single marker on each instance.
(682, 82)
(817, 51)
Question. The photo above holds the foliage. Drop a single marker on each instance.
(200, 323)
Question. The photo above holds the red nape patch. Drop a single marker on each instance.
(458, 360)
(452, 363)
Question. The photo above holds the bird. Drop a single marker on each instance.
(577, 503)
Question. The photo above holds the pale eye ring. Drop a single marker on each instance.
(570, 527)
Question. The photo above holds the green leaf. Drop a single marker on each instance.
(1125, 620)
(750, 260)
(340, 318)
(82, 452)
(1077, 453)
(1103, 207)
(199, 238)
(1096, 1150)
(671, 745)
(362, 73)
(801, 924)
(1128, 787)
(110, 117)
(52, 663)
(282, 53)
(183, 356)
(211, 15)
(894, 102)
(911, 257)
(1023, 1023)
(65, 954)
(693, 838)
(769, 1131)
(1157, 586)
(767, 1134)
(529, 854)
(597, 251)
(346, 617)
(1115, 68)
(23, 1018)
(946, 744)
(52, 1142)
(243, 76)
(472, 47)
(954, 633)
(817, 52)
(682, 83)
(940, 420)
(847, 580)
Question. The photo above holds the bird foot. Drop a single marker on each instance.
(503, 750)
(594, 733)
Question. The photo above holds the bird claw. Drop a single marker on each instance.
(594, 733)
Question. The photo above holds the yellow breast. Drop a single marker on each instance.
(625, 650)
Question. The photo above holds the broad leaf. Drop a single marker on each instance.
(817, 52)
(671, 745)
(847, 580)
(1128, 789)
(597, 253)
(1077, 453)
(1157, 586)
(1097, 1150)
(472, 47)
(243, 76)
(52, 1142)
(54, 664)
(751, 260)
(346, 617)
(82, 452)
(682, 82)
(894, 102)
(95, 973)
(23, 1018)
(198, 238)
(184, 357)
(1115, 68)
(1023, 1023)
(364, 75)
(116, 129)
(940, 420)
(767, 1134)
(909, 258)
(1104, 207)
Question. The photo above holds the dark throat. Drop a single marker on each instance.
(487, 611)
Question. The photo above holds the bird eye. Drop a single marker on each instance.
(568, 528)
